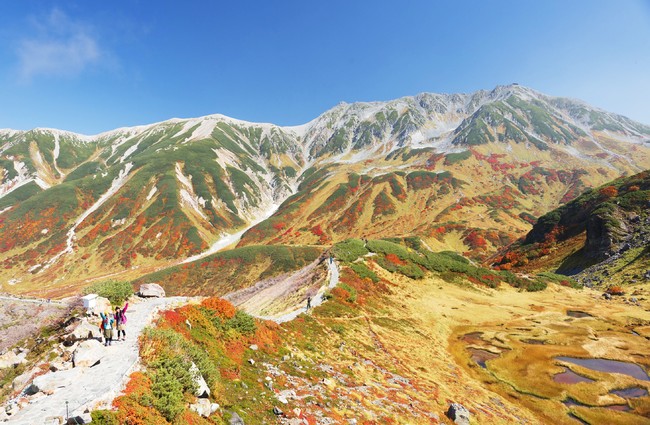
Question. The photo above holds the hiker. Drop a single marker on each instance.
(308, 302)
(120, 321)
(107, 327)
(331, 258)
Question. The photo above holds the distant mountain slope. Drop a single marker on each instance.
(468, 172)
(603, 236)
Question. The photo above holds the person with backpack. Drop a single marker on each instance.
(120, 320)
(107, 327)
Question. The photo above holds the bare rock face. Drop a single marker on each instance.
(151, 290)
(458, 413)
(88, 353)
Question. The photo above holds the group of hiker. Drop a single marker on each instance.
(114, 322)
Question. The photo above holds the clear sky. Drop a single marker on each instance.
(91, 66)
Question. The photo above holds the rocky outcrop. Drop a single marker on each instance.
(458, 413)
(149, 290)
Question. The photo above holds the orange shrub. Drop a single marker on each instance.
(220, 306)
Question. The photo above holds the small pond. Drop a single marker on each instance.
(481, 356)
(634, 392)
(618, 407)
(577, 313)
(609, 366)
(570, 377)
(534, 341)
(472, 337)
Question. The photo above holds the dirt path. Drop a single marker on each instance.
(96, 387)
(316, 300)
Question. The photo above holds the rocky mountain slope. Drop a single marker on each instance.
(467, 172)
(603, 236)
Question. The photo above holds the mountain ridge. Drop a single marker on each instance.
(466, 171)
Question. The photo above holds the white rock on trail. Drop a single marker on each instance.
(88, 353)
(151, 290)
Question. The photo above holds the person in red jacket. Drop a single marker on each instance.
(120, 321)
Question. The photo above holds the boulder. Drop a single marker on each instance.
(202, 389)
(151, 290)
(277, 411)
(11, 359)
(20, 381)
(102, 305)
(84, 330)
(235, 419)
(88, 353)
(458, 413)
(53, 420)
(203, 407)
(59, 364)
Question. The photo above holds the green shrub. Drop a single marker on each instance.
(364, 272)
(104, 417)
(242, 322)
(117, 292)
(349, 250)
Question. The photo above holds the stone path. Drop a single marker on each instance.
(96, 387)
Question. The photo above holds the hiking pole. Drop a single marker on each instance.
(66, 411)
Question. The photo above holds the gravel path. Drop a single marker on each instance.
(91, 388)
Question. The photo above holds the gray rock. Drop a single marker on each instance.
(253, 347)
(151, 290)
(203, 407)
(88, 353)
(202, 389)
(235, 419)
(54, 420)
(458, 413)
(277, 411)
(20, 381)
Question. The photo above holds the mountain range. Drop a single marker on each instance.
(465, 172)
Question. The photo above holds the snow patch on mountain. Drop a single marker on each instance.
(188, 197)
(152, 192)
(116, 185)
(21, 179)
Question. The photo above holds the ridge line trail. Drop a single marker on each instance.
(96, 387)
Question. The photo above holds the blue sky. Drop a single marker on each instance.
(91, 66)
